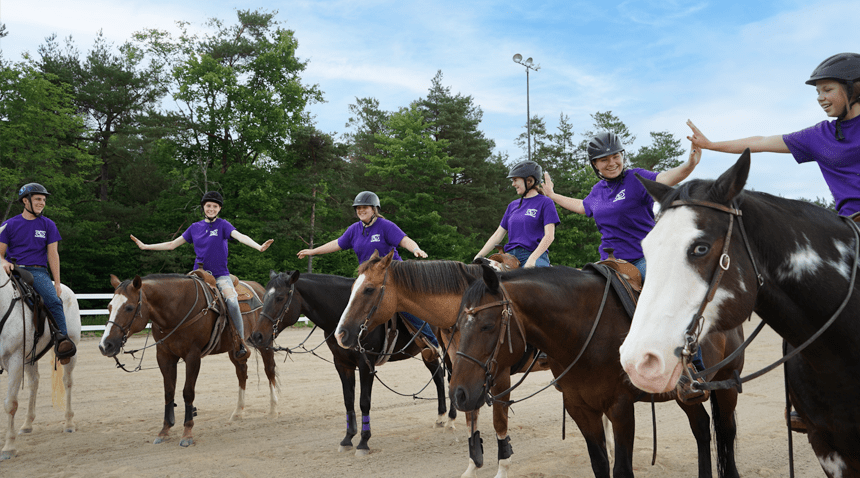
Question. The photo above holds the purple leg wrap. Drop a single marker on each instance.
(365, 423)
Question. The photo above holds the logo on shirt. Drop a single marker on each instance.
(619, 196)
(41, 234)
(375, 238)
(531, 212)
(213, 233)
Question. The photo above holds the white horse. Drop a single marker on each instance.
(16, 348)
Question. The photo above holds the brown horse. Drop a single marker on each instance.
(186, 325)
(572, 316)
(430, 290)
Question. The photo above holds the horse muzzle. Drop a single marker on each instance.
(110, 348)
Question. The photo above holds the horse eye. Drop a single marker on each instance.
(700, 249)
(369, 290)
(487, 327)
(129, 308)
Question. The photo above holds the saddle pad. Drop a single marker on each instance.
(622, 288)
(248, 298)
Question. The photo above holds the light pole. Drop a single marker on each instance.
(529, 66)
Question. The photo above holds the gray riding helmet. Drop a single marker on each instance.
(601, 145)
(29, 189)
(366, 198)
(525, 169)
(844, 68)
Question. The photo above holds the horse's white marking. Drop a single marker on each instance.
(355, 288)
(833, 464)
(270, 291)
(116, 305)
(803, 261)
(846, 259)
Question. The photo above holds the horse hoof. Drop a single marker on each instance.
(342, 449)
(6, 455)
(362, 452)
(158, 440)
(186, 442)
(70, 430)
(25, 431)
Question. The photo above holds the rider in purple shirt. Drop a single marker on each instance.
(529, 222)
(834, 145)
(209, 238)
(30, 240)
(621, 208)
(374, 233)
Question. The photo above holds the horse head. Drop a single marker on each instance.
(367, 307)
(486, 340)
(128, 314)
(280, 309)
(700, 276)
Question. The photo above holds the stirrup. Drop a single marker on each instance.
(797, 424)
(64, 348)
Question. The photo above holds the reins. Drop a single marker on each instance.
(691, 337)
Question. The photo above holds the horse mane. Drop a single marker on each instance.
(153, 277)
(429, 277)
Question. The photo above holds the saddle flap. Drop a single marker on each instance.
(628, 271)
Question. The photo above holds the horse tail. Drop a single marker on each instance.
(725, 430)
(58, 390)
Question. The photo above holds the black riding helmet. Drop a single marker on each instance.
(212, 196)
(30, 189)
(527, 169)
(604, 144)
(844, 68)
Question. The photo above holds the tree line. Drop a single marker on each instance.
(128, 137)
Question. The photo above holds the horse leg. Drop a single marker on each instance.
(10, 405)
(67, 385)
(476, 446)
(272, 375)
(723, 403)
(347, 382)
(33, 381)
(452, 410)
(623, 420)
(700, 424)
(167, 364)
(500, 423)
(241, 374)
(192, 369)
(437, 373)
(591, 425)
(365, 372)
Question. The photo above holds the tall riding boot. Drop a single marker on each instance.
(236, 319)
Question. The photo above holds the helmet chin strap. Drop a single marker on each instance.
(30, 200)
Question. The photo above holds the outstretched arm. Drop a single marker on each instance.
(323, 249)
(161, 246)
(250, 242)
(494, 239)
(412, 246)
(756, 144)
(680, 173)
(571, 204)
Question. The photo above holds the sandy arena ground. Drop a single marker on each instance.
(119, 414)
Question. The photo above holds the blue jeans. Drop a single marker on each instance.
(640, 264)
(422, 327)
(45, 288)
(523, 254)
(225, 285)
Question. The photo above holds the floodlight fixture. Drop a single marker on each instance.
(529, 66)
(518, 58)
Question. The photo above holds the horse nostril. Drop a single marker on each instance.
(459, 396)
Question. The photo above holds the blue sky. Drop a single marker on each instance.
(736, 68)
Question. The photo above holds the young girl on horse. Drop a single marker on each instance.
(30, 239)
(372, 233)
(619, 204)
(209, 238)
(529, 221)
(834, 145)
(624, 212)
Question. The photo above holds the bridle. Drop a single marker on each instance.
(362, 329)
(280, 315)
(694, 329)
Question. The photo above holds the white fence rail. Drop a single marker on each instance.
(104, 312)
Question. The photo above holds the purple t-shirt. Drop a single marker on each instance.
(624, 213)
(383, 236)
(525, 223)
(27, 241)
(839, 161)
(210, 244)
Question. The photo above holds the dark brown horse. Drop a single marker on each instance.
(570, 315)
(322, 298)
(430, 290)
(791, 262)
(186, 326)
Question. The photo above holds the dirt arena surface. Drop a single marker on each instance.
(119, 414)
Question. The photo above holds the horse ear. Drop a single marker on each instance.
(491, 278)
(114, 281)
(388, 258)
(655, 189)
(294, 277)
(137, 282)
(272, 274)
(732, 182)
(375, 255)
